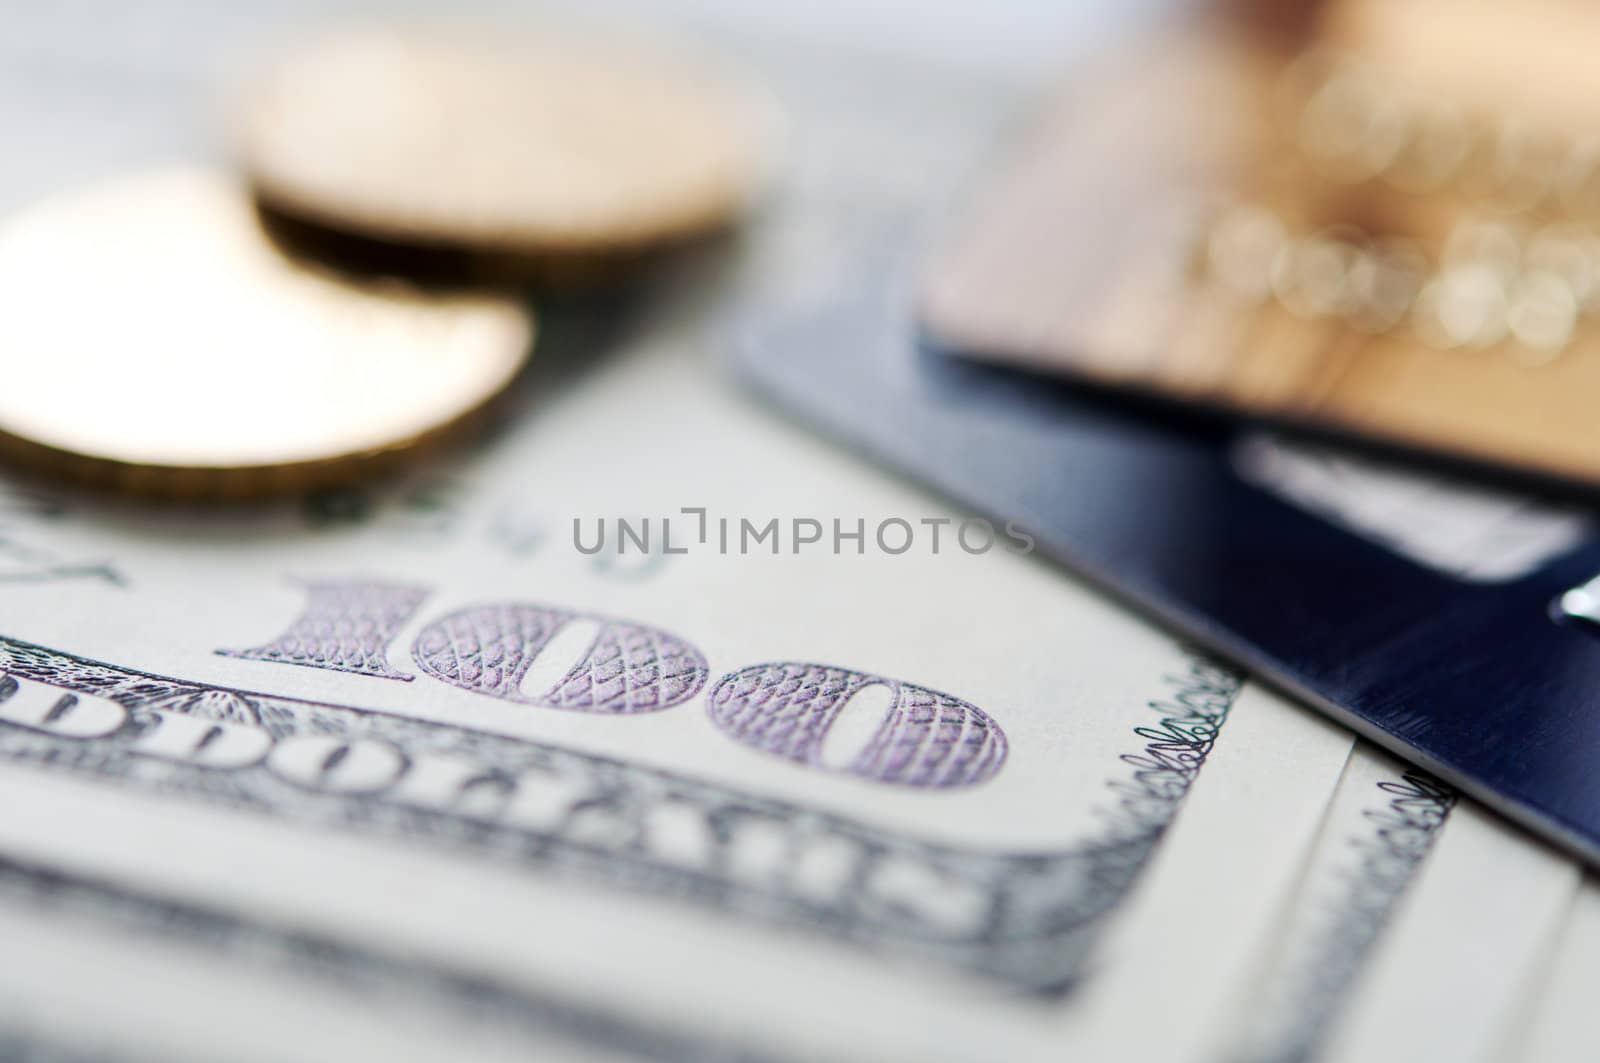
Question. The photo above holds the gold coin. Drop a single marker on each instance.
(157, 341)
(540, 147)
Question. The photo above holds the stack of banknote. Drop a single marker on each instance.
(654, 725)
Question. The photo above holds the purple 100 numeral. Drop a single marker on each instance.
(829, 718)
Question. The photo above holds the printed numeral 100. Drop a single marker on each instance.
(540, 655)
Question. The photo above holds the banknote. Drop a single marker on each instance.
(1184, 943)
(1176, 935)
(82, 946)
(646, 729)
(1378, 829)
(1449, 979)
(1558, 1022)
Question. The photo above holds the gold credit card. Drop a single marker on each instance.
(1368, 227)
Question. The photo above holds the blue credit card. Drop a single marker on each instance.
(1446, 620)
